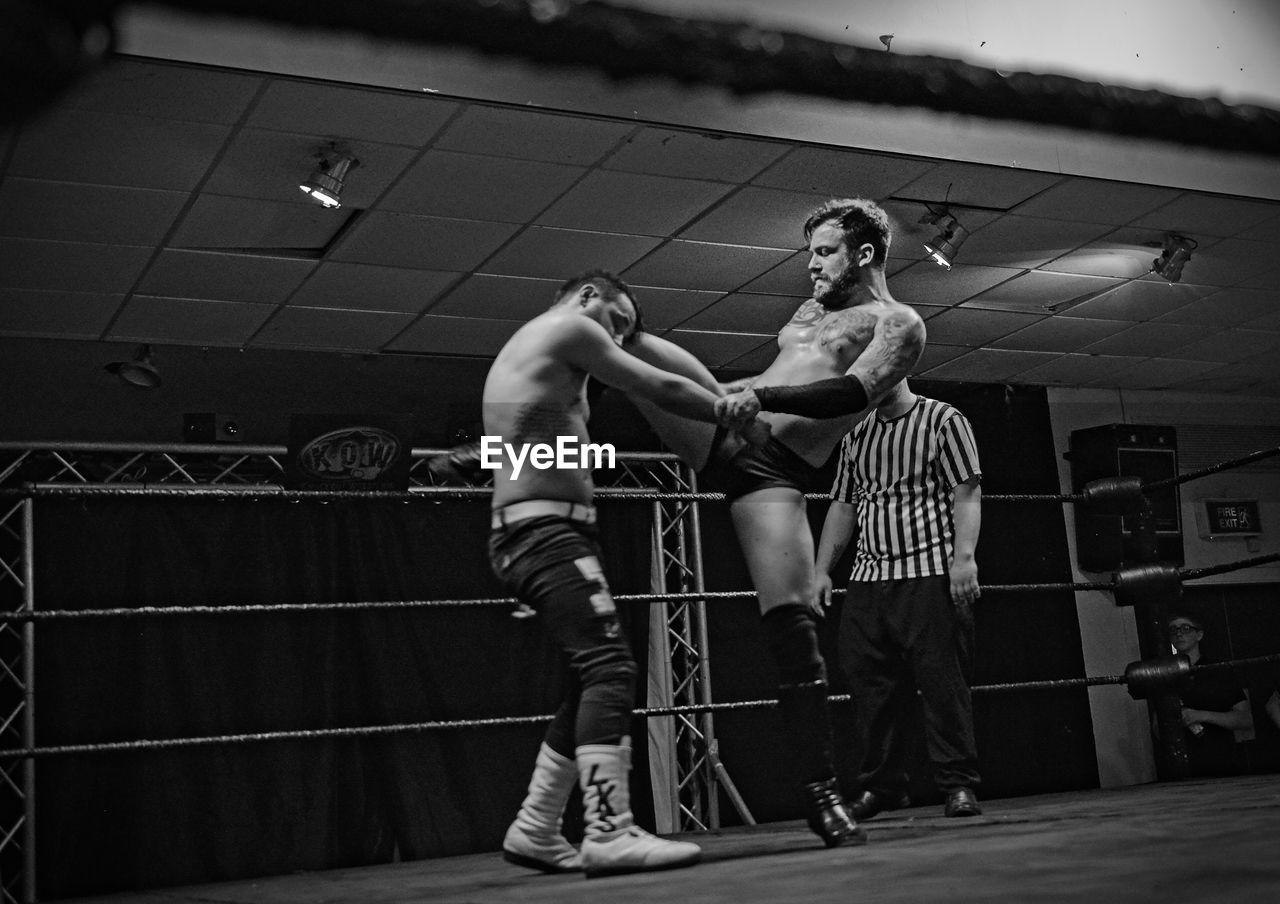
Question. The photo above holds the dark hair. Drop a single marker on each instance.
(862, 221)
(1195, 622)
(610, 286)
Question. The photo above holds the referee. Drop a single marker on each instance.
(909, 487)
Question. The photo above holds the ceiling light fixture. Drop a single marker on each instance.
(1177, 251)
(947, 241)
(325, 184)
(140, 372)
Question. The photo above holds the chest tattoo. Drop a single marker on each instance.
(855, 327)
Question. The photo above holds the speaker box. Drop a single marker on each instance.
(1108, 542)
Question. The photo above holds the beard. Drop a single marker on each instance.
(837, 291)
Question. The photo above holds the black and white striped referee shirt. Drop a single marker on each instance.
(900, 474)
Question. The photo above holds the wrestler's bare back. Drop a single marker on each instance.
(533, 396)
(819, 343)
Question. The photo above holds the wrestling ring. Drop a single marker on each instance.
(698, 778)
(1132, 845)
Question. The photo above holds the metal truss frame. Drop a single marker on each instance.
(697, 771)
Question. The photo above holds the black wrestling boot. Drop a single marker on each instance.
(828, 817)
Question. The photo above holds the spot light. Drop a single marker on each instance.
(1177, 251)
(140, 372)
(325, 184)
(947, 241)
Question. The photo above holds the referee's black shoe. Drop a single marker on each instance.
(869, 803)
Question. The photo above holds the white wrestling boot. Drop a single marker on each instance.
(614, 843)
(534, 839)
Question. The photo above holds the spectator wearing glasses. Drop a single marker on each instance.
(1214, 705)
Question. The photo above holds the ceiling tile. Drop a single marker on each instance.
(351, 112)
(745, 313)
(426, 243)
(117, 149)
(977, 185)
(362, 287)
(632, 203)
(62, 315)
(1095, 201)
(1266, 280)
(1228, 307)
(1075, 370)
(928, 282)
(1269, 322)
(1058, 334)
(70, 266)
(1265, 363)
(1229, 261)
(1023, 242)
(842, 173)
(936, 353)
(560, 253)
(1228, 346)
(790, 277)
(664, 308)
(693, 155)
(226, 277)
(1040, 292)
(187, 321)
(1143, 299)
(717, 349)
(761, 217)
(271, 165)
(1146, 340)
(448, 184)
(989, 365)
(63, 210)
(328, 328)
(163, 91)
(499, 297)
(968, 326)
(533, 135)
(1266, 231)
(702, 265)
(1222, 382)
(1196, 214)
(1127, 252)
(456, 336)
(1154, 373)
(218, 221)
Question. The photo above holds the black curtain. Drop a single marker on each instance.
(142, 819)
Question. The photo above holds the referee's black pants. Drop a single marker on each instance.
(897, 637)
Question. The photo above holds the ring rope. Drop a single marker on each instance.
(1188, 574)
(414, 727)
(1211, 469)
(268, 491)
(691, 596)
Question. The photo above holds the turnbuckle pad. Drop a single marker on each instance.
(1114, 495)
(1147, 584)
(1152, 677)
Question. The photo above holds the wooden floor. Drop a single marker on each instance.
(1193, 841)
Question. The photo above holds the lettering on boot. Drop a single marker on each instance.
(604, 802)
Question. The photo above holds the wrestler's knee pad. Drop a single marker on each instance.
(793, 640)
(608, 677)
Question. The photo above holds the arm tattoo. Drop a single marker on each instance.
(891, 354)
